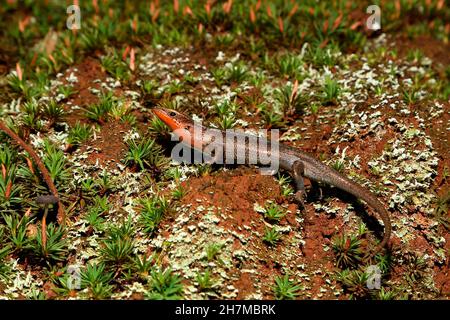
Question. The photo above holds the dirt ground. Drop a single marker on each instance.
(392, 142)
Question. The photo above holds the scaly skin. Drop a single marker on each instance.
(295, 161)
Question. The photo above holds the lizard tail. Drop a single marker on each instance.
(356, 190)
(375, 204)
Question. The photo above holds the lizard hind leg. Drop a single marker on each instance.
(298, 170)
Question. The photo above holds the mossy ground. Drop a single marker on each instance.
(374, 105)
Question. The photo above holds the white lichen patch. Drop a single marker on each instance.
(186, 248)
(23, 284)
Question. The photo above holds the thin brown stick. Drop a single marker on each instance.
(44, 228)
(45, 174)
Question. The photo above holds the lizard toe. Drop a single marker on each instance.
(300, 198)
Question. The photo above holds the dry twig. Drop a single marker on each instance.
(45, 174)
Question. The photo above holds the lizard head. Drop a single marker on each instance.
(182, 126)
(174, 119)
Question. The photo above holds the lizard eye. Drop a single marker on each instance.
(172, 114)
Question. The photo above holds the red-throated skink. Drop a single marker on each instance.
(298, 163)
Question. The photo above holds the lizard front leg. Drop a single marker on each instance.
(298, 170)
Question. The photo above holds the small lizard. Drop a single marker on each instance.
(298, 163)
